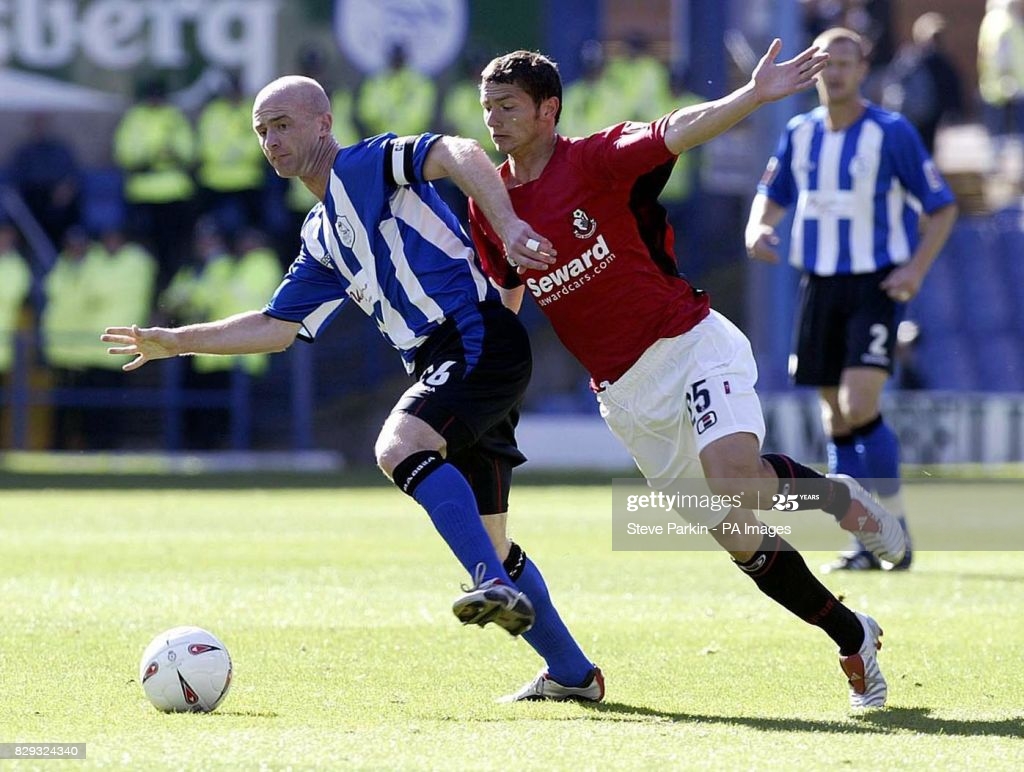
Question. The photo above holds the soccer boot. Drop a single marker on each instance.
(873, 525)
(544, 687)
(903, 565)
(867, 684)
(494, 601)
(859, 560)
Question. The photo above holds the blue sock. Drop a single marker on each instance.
(845, 457)
(450, 502)
(549, 636)
(881, 455)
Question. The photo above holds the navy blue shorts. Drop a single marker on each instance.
(471, 379)
(843, 321)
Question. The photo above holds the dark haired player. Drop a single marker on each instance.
(674, 379)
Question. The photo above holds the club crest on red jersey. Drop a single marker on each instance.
(583, 225)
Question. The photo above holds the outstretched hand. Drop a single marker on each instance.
(143, 343)
(776, 80)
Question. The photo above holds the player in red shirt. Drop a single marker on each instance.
(674, 379)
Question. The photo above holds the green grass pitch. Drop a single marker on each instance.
(335, 605)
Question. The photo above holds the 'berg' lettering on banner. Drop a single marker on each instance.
(124, 34)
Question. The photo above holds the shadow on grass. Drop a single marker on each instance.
(766, 724)
(888, 721)
(921, 721)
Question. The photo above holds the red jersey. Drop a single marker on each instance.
(614, 289)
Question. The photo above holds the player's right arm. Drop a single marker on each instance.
(469, 167)
(761, 239)
(252, 332)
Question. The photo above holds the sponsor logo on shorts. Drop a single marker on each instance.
(877, 360)
(706, 421)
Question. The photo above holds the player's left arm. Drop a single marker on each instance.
(903, 283)
(469, 167)
(918, 174)
(251, 332)
(770, 82)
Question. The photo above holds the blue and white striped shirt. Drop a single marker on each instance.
(385, 239)
(858, 192)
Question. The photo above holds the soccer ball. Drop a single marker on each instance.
(185, 670)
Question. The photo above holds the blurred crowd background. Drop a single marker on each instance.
(132, 189)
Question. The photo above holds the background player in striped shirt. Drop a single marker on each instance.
(674, 379)
(382, 238)
(857, 176)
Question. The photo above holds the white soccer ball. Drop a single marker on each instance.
(185, 670)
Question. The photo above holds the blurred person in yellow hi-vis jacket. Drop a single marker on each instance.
(398, 99)
(91, 283)
(155, 147)
(231, 170)
(257, 274)
(75, 292)
(590, 103)
(130, 284)
(640, 79)
(124, 274)
(202, 291)
(190, 295)
(1001, 69)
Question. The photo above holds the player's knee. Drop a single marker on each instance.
(388, 454)
(857, 406)
(397, 442)
(401, 436)
(731, 475)
(731, 487)
(859, 412)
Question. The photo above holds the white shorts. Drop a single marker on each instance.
(682, 394)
